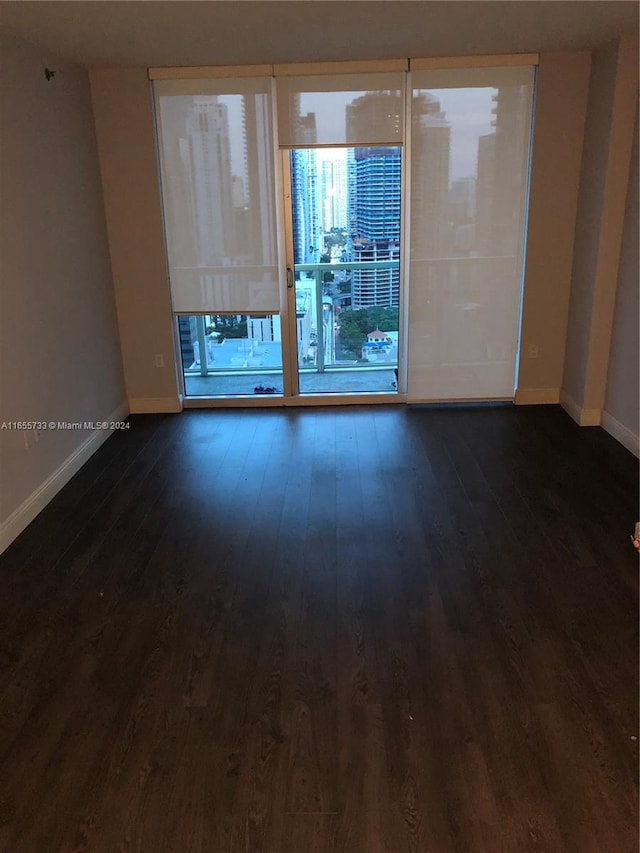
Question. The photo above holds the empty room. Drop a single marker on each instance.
(319, 417)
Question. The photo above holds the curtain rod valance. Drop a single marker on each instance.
(202, 72)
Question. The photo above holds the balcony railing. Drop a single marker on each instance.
(448, 280)
(325, 355)
(323, 324)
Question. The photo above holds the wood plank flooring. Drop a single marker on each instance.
(365, 630)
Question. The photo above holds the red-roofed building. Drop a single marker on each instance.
(377, 336)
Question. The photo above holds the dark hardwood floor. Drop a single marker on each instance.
(366, 630)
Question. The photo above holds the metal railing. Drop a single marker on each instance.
(319, 270)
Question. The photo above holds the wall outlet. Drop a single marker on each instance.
(533, 351)
(159, 360)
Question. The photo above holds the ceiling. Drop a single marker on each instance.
(222, 32)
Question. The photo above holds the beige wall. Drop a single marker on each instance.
(59, 347)
(560, 111)
(592, 178)
(126, 145)
(621, 401)
(601, 209)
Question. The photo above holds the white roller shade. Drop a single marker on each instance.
(218, 192)
(469, 179)
(347, 109)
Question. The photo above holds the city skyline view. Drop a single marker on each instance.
(476, 106)
(471, 104)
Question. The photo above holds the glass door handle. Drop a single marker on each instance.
(289, 277)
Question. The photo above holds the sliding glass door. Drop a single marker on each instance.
(346, 224)
(285, 200)
(343, 139)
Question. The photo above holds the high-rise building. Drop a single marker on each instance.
(500, 174)
(308, 231)
(462, 212)
(200, 183)
(374, 199)
(375, 208)
(178, 184)
(511, 125)
(238, 192)
(210, 160)
(382, 110)
(484, 236)
(259, 246)
(462, 200)
(333, 193)
(430, 154)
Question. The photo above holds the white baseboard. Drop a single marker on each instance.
(154, 405)
(621, 433)
(570, 406)
(535, 396)
(591, 417)
(583, 417)
(21, 517)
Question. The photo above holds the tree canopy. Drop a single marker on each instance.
(356, 325)
(228, 326)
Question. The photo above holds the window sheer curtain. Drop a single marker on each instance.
(341, 110)
(470, 132)
(218, 190)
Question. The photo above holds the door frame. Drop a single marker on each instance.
(288, 325)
